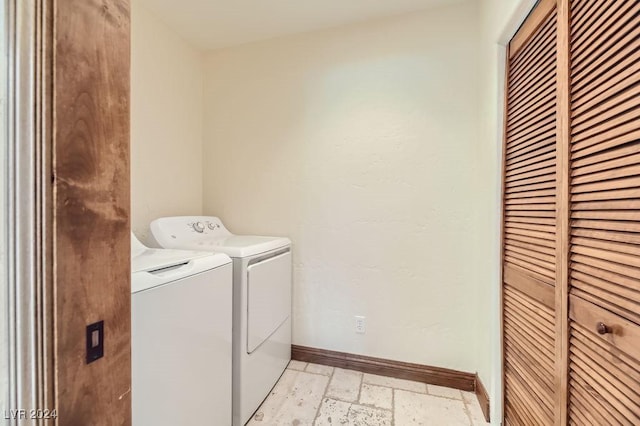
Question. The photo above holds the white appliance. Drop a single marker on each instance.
(261, 302)
(181, 337)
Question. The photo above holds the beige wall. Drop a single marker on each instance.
(166, 123)
(357, 143)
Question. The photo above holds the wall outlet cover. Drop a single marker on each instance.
(360, 324)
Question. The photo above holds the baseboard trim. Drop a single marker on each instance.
(401, 370)
(384, 367)
(483, 398)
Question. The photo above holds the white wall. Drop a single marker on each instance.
(166, 123)
(357, 143)
(499, 21)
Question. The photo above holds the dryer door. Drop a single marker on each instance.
(269, 298)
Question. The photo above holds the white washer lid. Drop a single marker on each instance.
(153, 267)
(242, 245)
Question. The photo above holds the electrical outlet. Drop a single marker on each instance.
(360, 324)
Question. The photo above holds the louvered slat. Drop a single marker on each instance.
(605, 184)
(605, 382)
(531, 128)
(529, 357)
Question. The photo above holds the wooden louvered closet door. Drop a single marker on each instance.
(529, 262)
(571, 230)
(604, 369)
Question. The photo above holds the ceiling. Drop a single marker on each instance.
(211, 24)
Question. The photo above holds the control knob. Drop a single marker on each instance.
(198, 227)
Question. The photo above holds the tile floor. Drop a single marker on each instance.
(312, 394)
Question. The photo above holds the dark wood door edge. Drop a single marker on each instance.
(483, 398)
(385, 367)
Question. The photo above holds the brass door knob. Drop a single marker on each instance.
(602, 328)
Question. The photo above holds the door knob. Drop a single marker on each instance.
(602, 328)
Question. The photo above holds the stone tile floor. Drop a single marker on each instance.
(312, 394)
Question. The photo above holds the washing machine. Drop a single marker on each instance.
(181, 337)
(261, 301)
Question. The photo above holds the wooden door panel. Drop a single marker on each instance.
(604, 381)
(529, 228)
(571, 230)
(605, 210)
(91, 211)
(604, 273)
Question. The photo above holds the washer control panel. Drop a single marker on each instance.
(204, 226)
(171, 230)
